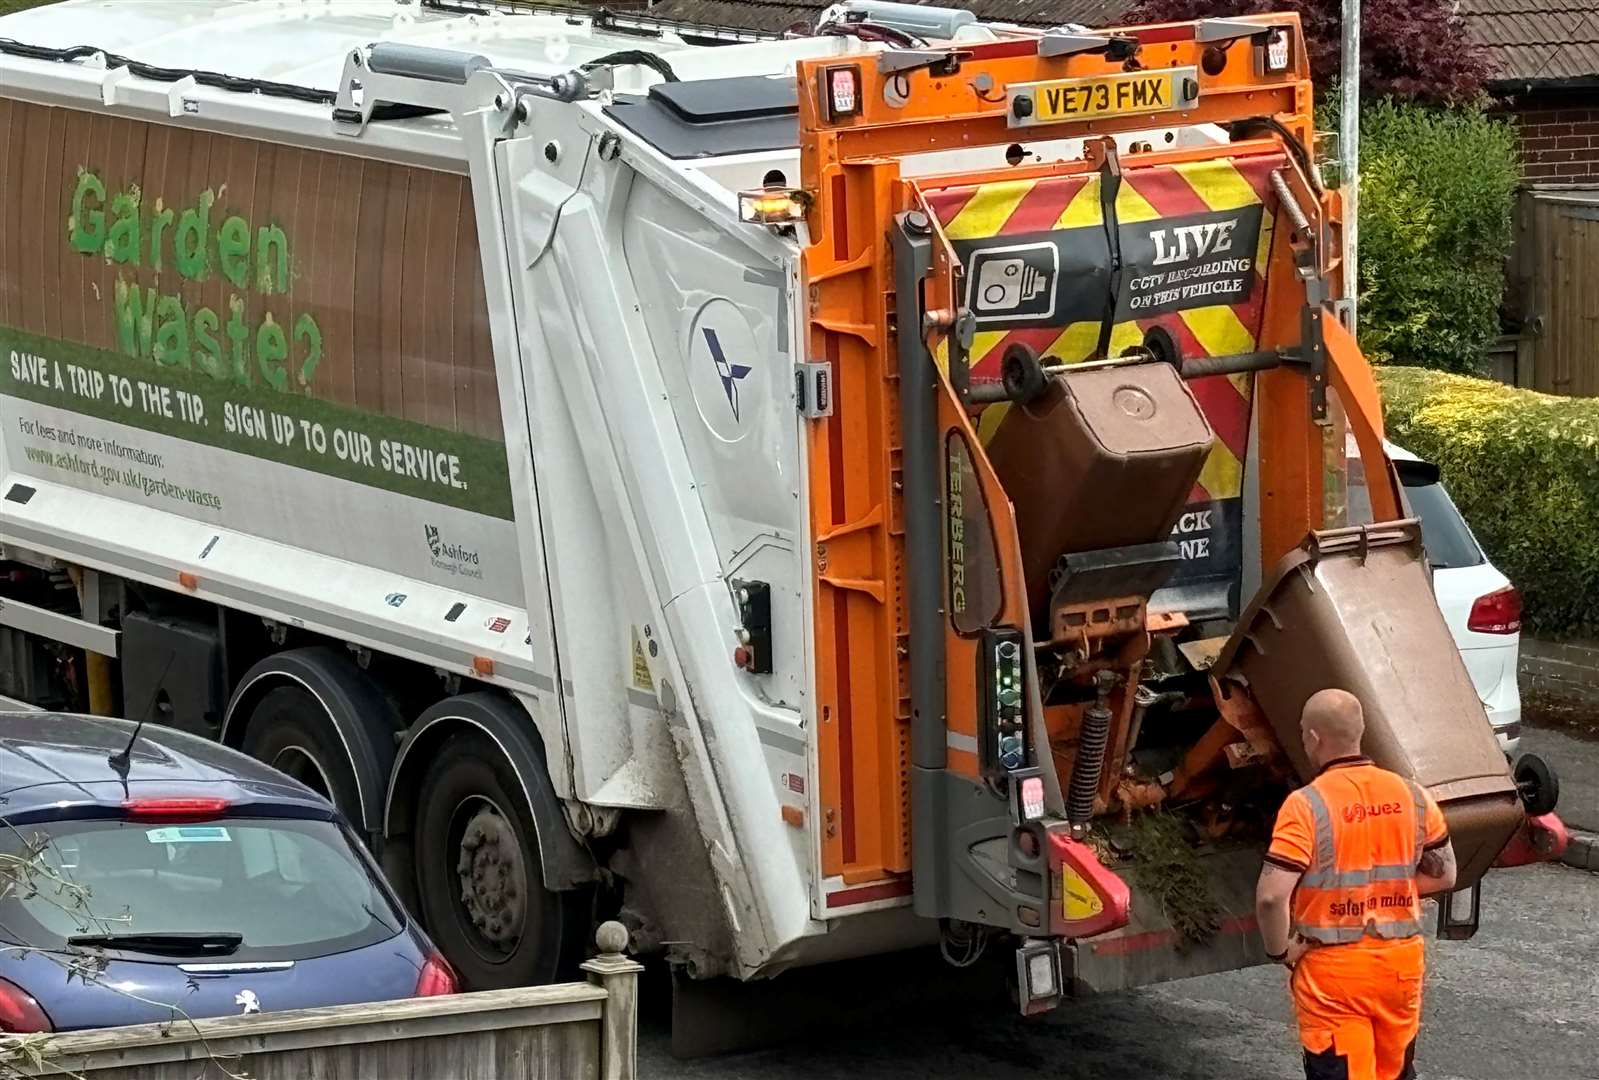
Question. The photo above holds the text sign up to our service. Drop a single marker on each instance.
(270, 339)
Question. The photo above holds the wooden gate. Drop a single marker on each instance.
(1556, 271)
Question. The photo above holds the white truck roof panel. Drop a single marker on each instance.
(304, 42)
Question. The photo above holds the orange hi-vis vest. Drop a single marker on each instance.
(1356, 834)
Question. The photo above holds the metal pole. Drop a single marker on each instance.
(1349, 150)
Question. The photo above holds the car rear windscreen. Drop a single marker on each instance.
(1444, 533)
(294, 889)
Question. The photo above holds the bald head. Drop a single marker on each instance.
(1331, 725)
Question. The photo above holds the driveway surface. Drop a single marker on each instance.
(1520, 1000)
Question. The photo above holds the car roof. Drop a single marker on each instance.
(62, 760)
(1394, 451)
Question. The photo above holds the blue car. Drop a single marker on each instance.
(151, 875)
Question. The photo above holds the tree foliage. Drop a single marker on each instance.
(1437, 191)
(1412, 49)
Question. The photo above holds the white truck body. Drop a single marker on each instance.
(641, 478)
(644, 344)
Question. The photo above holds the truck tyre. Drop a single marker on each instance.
(482, 891)
(331, 725)
(289, 730)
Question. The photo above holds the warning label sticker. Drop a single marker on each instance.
(641, 667)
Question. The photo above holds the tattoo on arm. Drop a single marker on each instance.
(1437, 862)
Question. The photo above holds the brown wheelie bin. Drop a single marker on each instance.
(1354, 608)
(1103, 458)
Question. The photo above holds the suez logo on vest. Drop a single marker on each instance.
(1361, 811)
(1063, 276)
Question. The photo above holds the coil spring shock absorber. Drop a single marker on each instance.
(1092, 740)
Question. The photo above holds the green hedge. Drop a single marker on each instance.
(1436, 191)
(1524, 469)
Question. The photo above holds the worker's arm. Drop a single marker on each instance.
(1436, 871)
(1293, 846)
(1273, 896)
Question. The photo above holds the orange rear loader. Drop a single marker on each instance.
(1086, 404)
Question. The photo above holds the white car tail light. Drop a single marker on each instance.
(1499, 612)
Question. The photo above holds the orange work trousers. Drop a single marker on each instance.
(1359, 1009)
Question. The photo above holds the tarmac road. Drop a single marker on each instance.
(1576, 763)
(1520, 1000)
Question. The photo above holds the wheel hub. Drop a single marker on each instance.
(493, 881)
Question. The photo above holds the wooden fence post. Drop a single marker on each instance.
(618, 976)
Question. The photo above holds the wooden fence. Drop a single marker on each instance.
(1555, 286)
(574, 1031)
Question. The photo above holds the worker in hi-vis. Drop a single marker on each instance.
(1339, 900)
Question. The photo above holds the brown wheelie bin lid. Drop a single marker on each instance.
(1354, 608)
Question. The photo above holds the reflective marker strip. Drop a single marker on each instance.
(1323, 858)
(1421, 821)
(1355, 879)
(1344, 935)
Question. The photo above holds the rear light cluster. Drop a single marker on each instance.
(437, 979)
(20, 1014)
(1499, 612)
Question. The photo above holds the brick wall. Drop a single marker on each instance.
(1565, 670)
(1560, 144)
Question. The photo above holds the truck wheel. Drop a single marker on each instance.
(482, 891)
(290, 731)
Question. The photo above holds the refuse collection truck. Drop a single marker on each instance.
(809, 496)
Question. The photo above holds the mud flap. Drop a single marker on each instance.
(1150, 950)
(1460, 914)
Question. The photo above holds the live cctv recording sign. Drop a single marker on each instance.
(1062, 276)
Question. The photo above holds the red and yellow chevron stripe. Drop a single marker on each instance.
(999, 208)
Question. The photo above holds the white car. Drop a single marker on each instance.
(1481, 606)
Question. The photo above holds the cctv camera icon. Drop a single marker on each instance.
(1005, 284)
(1014, 283)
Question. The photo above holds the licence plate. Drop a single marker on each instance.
(1064, 100)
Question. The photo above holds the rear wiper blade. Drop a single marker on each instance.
(167, 944)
